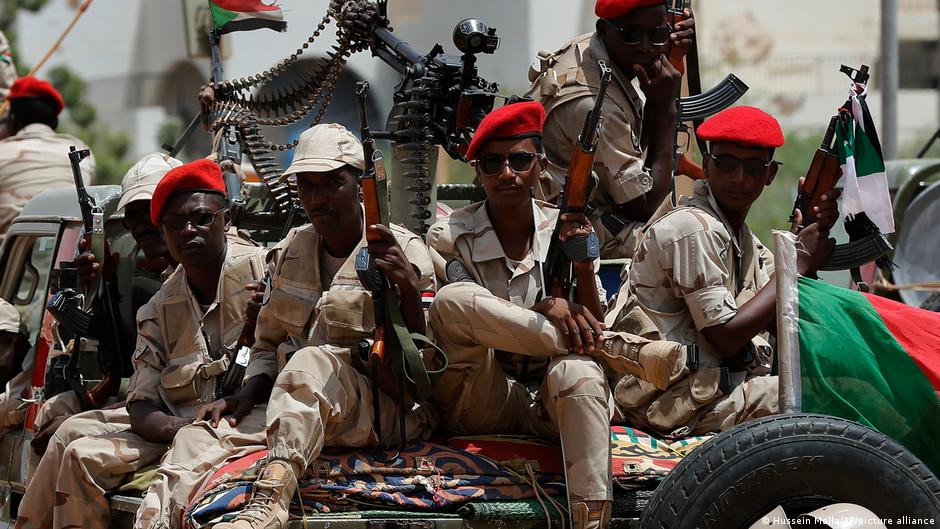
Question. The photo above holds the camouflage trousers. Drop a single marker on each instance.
(35, 511)
(197, 452)
(478, 397)
(320, 399)
(63, 404)
(694, 405)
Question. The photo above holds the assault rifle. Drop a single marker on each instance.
(392, 343)
(234, 375)
(94, 313)
(866, 242)
(697, 105)
(579, 250)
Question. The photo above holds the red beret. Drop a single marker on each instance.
(30, 86)
(518, 120)
(201, 175)
(609, 9)
(744, 125)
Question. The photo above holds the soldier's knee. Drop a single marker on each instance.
(453, 302)
(576, 375)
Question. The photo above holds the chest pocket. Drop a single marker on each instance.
(346, 316)
(181, 383)
(293, 312)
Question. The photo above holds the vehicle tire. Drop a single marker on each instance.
(801, 462)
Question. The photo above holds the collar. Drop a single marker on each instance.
(486, 245)
(704, 192)
(35, 129)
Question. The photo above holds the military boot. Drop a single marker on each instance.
(591, 514)
(269, 506)
(658, 362)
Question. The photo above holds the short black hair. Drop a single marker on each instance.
(29, 110)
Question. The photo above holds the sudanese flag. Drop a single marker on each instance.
(873, 361)
(246, 15)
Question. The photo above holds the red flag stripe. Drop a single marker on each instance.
(918, 332)
(245, 6)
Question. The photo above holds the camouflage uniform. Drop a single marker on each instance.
(314, 332)
(566, 83)
(509, 370)
(307, 337)
(33, 160)
(689, 273)
(182, 349)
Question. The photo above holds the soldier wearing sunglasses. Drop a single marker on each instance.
(531, 361)
(701, 277)
(634, 156)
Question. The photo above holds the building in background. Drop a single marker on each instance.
(136, 56)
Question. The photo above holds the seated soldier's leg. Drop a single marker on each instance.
(318, 399)
(34, 511)
(756, 397)
(467, 314)
(197, 452)
(90, 467)
(577, 400)
(66, 404)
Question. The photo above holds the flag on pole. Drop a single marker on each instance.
(873, 361)
(863, 166)
(245, 15)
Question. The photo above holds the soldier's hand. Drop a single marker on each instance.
(88, 268)
(574, 224)
(827, 211)
(41, 439)
(236, 406)
(390, 259)
(684, 31)
(813, 249)
(580, 328)
(660, 82)
(253, 304)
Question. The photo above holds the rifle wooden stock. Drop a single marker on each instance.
(578, 182)
(821, 177)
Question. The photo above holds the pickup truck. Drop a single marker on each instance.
(786, 465)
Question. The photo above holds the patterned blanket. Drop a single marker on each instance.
(437, 477)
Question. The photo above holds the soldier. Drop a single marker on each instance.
(639, 113)
(51, 436)
(35, 157)
(14, 345)
(701, 277)
(317, 323)
(185, 334)
(520, 360)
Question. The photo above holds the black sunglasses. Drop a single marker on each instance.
(492, 164)
(633, 35)
(200, 219)
(752, 166)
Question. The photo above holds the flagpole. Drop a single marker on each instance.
(889, 78)
(788, 312)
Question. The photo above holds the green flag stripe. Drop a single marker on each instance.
(852, 367)
(867, 160)
(221, 17)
